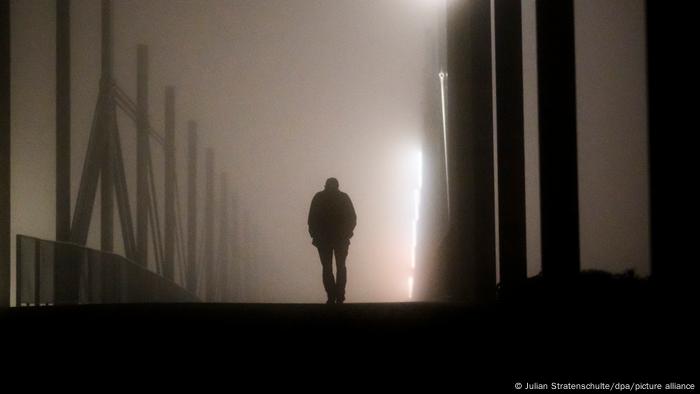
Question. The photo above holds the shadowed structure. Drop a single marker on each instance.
(510, 147)
(557, 138)
(470, 246)
(5, 154)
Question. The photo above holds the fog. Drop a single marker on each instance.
(288, 93)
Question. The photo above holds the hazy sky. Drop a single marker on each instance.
(287, 92)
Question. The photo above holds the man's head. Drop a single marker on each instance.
(332, 184)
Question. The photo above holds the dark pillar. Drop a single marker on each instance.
(5, 216)
(142, 156)
(107, 207)
(511, 149)
(670, 34)
(209, 281)
(235, 250)
(106, 181)
(224, 259)
(107, 42)
(63, 120)
(471, 258)
(557, 140)
(192, 207)
(169, 225)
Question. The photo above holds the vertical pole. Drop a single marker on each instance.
(107, 206)
(107, 40)
(192, 207)
(142, 156)
(106, 182)
(37, 272)
(471, 247)
(511, 148)
(63, 120)
(244, 279)
(556, 71)
(671, 160)
(5, 154)
(235, 250)
(224, 258)
(209, 226)
(169, 225)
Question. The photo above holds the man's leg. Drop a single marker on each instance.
(341, 253)
(326, 255)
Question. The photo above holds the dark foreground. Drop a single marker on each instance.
(405, 343)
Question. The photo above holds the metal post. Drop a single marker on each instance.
(37, 272)
(556, 71)
(63, 120)
(106, 182)
(5, 154)
(96, 164)
(169, 225)
(224, 259)
(471, 274)
(671, 159)
(192, 208)
(107, 42)
(107, 207)
(235, 234)
(209, 226)
(142, 156)
(511, 148)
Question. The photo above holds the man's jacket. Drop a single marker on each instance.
(332, 218)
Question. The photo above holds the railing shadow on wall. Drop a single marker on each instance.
(63, 273)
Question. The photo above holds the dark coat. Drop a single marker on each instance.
(332, 218)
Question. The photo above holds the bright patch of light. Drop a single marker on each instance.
(420, 169)
(416, 205)
(443, 76)
(414, 244)
(416, 216)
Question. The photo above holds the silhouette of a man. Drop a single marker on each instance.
(332, 220)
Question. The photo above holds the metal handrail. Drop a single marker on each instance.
(75, 270)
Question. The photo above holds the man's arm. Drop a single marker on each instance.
(313, 217)
(351, 216)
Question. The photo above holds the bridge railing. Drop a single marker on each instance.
(54, 273)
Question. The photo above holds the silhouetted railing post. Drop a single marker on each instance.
(511, 148)
(169, 228)
(66, 273)
(209, 282)
(245, 256)
(235, 234)
(556, 72)
(63, 120)
(5, 154)
(224, 240)
(142, 156)
(192, 207)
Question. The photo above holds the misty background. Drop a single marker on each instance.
(291, 92)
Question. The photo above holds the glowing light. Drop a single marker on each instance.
(416, 216)
(414, 244)
(420, 169)
(443, 76)
(416, 207)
